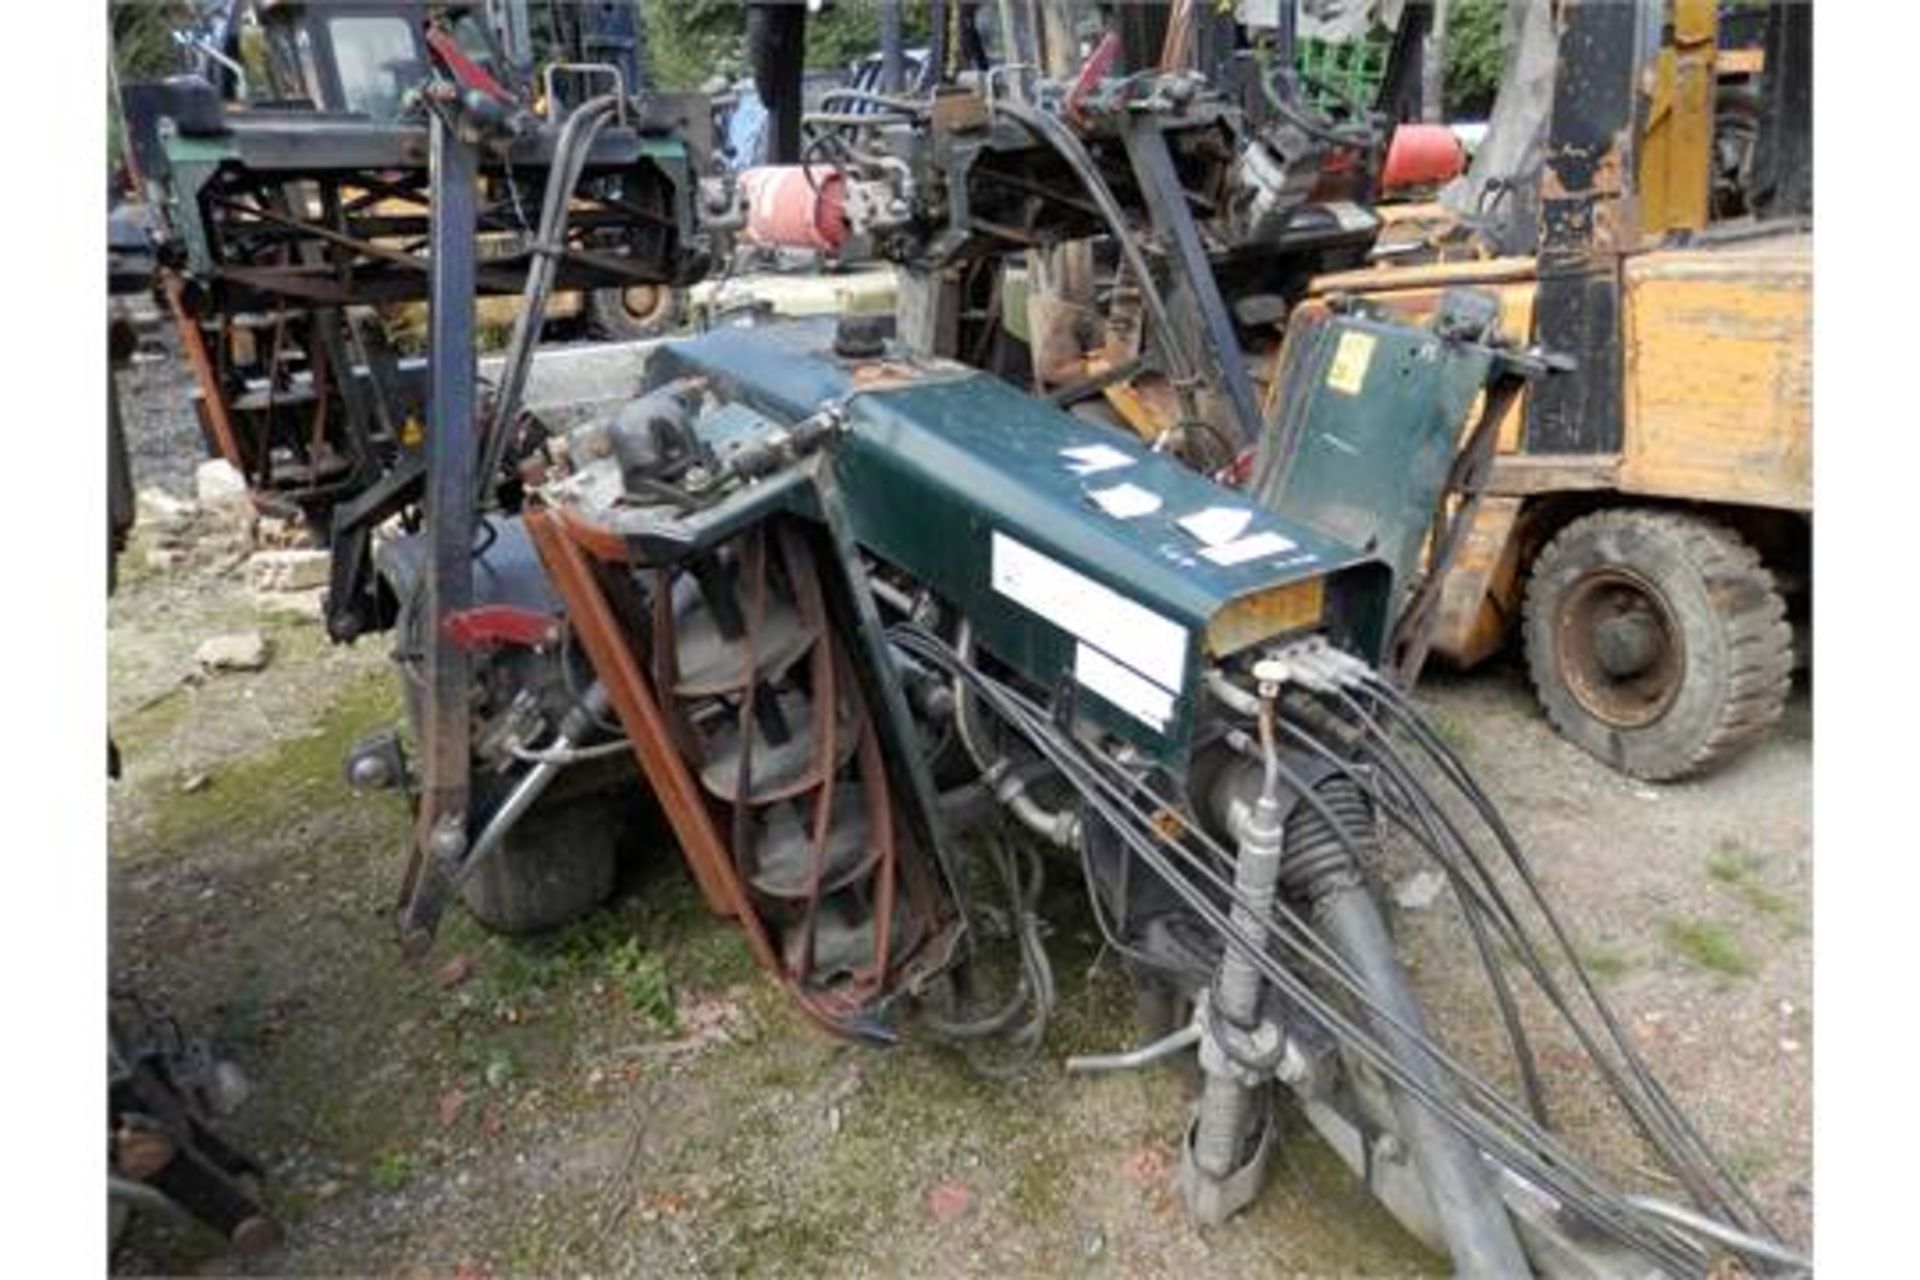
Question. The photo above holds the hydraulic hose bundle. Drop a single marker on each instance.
(1355, 734)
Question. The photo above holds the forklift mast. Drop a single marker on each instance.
(1626, 160)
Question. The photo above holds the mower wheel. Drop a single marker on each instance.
(630, 314)
(1657, 641)
(556, 865)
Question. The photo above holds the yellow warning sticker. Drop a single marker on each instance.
(1348, 372)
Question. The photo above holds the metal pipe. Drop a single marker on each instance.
(577, 724)
(1132, 1059)
(892, 59)
(1061, 828)
(1231, 695)
(569, 162)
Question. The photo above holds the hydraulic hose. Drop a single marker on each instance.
(1471, 1215)
(1491, 1121)
(569, 162)
(1058, 827)
(578, 724)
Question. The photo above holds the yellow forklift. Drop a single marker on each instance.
(1645, 522)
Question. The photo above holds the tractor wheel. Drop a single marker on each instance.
(630, 314)
(1657, 641)
(556, 865)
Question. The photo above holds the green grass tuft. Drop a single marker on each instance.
(1708, 945)
(391, 1171)
(1604, 964)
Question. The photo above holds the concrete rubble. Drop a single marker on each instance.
(238, 651)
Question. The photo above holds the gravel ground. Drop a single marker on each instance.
(629, 1094)
(156, 399)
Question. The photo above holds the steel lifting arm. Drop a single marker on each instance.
(440, 826)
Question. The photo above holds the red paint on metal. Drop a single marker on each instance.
(1422, 154)
(796, 207)
(1094, 70)
(488, 624)
(469, 73)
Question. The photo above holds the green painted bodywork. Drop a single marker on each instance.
(1367, 466)
(937, 460)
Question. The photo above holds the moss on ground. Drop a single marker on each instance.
(295, 787)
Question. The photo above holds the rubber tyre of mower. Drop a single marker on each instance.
(556, 865)
(1657, 641)
(630, 314)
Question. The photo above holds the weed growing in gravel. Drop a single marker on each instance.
(1740, 872)
(1452, 732)
(643, 980)
(1708, 945)
(391, 1171)
(1604, 964)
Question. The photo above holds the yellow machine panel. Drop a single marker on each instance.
(1719, 373)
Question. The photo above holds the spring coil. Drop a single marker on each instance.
(1315, 859)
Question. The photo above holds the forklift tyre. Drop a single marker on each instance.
(556, 865)
(1657, 641)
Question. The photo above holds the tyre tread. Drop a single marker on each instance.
(1742, 591)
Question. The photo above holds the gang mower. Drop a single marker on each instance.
(885, 635)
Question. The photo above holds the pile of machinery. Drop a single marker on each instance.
(834, 594)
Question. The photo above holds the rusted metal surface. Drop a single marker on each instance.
(722, 813)
(1480, 597)
(597, 627)
(1620, 653)
(194, 344)
(1532, 474)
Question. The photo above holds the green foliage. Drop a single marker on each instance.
(1740, 873)
(690, 41)
(143, 46)
(642, 977)
(1475, 57)
(848, 32)
(143, 49)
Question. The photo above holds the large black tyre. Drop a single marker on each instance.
(558, 864)
(1657, 640)
(633, 313)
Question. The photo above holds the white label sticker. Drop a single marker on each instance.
(1216, 525)
(1090, 459)
(1139, 697)
(1125, 501)
(1250, 548)
(1153, 645)
(1348, 371)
